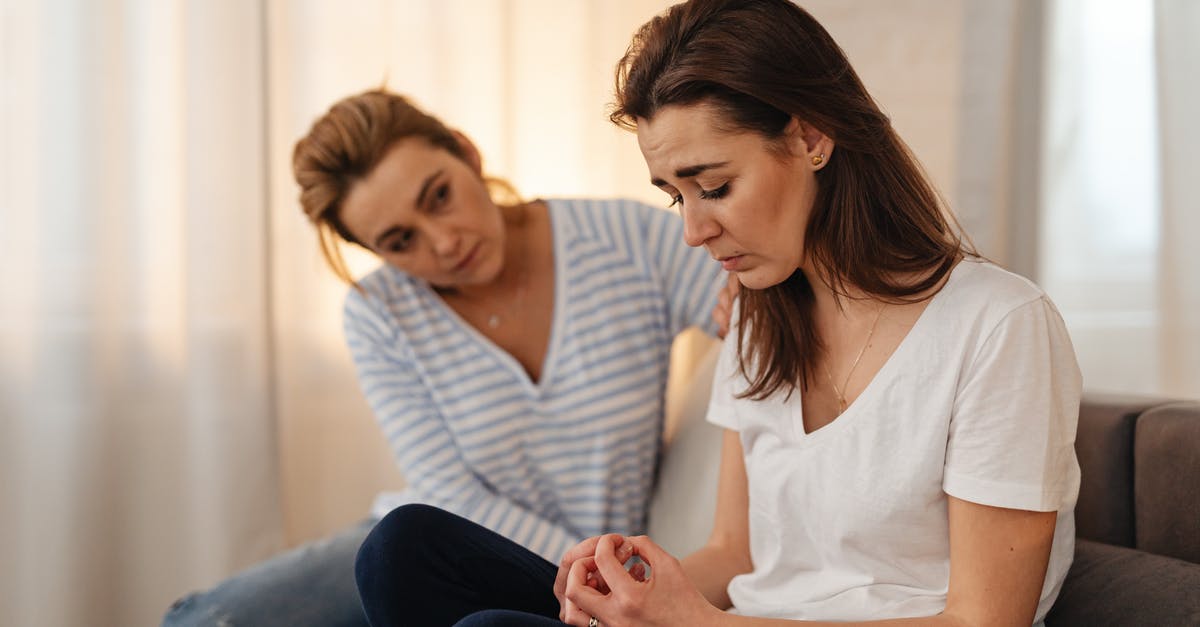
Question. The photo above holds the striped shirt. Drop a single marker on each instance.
(573, 455)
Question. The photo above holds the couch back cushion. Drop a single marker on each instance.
(1104, 445)
(1167, 481)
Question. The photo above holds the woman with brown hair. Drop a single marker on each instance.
(899, 412)
(514, 352)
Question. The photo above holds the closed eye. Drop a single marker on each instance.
(715, 194)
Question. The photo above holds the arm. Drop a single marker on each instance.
(998, 560)
(727, 553)
(424, 448)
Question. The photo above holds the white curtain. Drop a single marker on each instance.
(1178, 55)
(1077, 144)
(1119, 213)
(137, 447)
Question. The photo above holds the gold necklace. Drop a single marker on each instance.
(841, 392)
(496, 317)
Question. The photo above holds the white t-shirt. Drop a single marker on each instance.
(980, 401)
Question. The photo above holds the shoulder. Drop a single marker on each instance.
(382, 295)
(595, 214)
(991, 291)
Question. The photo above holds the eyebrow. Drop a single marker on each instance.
(420, 203)
(689, 172)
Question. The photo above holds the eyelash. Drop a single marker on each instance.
(714, 194)
(401, 241)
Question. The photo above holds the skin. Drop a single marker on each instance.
(428, 213)
(998, 556)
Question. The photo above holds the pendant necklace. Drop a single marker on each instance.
(497, 317)
(841, 392)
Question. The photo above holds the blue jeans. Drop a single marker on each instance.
(310, 585)
(426, 567)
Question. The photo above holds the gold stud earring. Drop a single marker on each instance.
(818, 160)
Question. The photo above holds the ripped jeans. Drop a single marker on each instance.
(309, 585)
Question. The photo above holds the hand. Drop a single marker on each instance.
(583, 553)
(723, 310)
(667, 598)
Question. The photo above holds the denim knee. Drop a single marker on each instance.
(191, 610)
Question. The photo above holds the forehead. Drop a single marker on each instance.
(676, 127)
(395, 180)
(679, 136)
(390, 189)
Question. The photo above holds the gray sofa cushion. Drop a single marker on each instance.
(1104, 445)
(1112, 585)
(1166, 491)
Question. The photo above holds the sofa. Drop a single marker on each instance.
(1137, 553)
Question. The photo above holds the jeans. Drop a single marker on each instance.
(426, 567)
(310, 585)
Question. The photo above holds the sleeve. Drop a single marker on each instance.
(424, 447)
(689, 278)
(1012, 431)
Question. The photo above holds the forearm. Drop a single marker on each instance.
(711, 568)
(940, 620)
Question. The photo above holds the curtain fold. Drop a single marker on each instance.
(1178, 56)
(139, 452)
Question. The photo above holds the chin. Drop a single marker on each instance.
(761, 278)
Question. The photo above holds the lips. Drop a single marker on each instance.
(730, 263)
(467, 259)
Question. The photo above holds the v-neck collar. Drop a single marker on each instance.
(558, 314)
(884, 373)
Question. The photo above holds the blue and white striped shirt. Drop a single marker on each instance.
(549, 463)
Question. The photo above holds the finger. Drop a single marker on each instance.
(583, 549)
(578, 575)
(582, 601)
(650, 552)
(610, 567)
(638, 572)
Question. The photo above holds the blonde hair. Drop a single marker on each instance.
(346, 143)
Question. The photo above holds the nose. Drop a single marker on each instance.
(445, 240)
(698, 226)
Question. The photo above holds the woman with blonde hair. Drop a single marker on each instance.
(514, 352)
(899, 413)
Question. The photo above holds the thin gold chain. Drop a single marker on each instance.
(840, 392)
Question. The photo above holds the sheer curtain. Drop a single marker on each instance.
(1177, 23)
(1120, 212)
(137, 446)
(1077, 143)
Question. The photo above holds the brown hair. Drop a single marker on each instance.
(876, 219)
(345, 144)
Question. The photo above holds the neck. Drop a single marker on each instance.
(514, 271)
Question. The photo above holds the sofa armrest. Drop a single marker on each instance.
(1167, 482)
(1112, 585)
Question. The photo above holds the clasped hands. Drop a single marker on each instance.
(592, 581)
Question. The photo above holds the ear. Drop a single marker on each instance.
(470, 152)
(808, 142)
